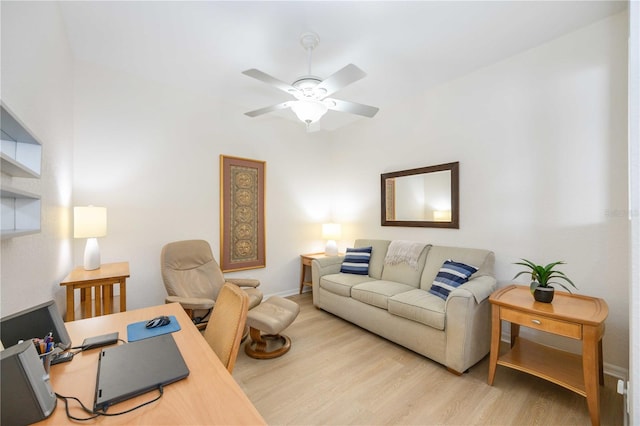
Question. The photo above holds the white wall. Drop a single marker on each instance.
(36, 83)
(150, 154)
(634, 210)
(541, 140)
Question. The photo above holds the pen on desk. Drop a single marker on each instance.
(49, 342)
(38, 345)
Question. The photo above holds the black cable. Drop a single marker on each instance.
(207, 315)
(66, 408)
(95, 414)
(200, 320)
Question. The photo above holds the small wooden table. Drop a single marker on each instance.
(305, 261)
(103, 280)
(569, 315)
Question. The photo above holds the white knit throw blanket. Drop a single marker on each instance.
(404, 252)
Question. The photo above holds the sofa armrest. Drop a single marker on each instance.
(468, 328)
(480, 288)
(468, 323)
(325, 266)
(243, 282)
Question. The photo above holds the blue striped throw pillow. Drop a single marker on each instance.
(451, 275)
(356, 261)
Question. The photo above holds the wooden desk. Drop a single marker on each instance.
(570, 315)
(305, 261)
(208, 396)
(102, 280)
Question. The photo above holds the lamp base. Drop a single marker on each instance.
(91, 255)
(331, 249)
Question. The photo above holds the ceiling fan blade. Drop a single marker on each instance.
(340, 79)
(266, 78)
(265, 110)
(352, 107)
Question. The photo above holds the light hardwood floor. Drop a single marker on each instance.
(339, 374)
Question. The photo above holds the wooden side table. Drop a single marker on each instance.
(102, 280)
(305, 261)
(569, 315)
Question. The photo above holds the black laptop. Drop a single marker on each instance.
(134, 368)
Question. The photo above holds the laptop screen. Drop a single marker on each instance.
(132, 369)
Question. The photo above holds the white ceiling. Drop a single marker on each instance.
(405, 47)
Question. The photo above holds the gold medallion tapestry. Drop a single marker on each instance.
(242, 233)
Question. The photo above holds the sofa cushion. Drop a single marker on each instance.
(419, 305)
(378, 252)
(451, 276)
(356, 261)
(378, 292)
(341, 284)
(404, 273)
(483, 259)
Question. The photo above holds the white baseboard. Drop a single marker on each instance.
(616, 371)
(284, 293)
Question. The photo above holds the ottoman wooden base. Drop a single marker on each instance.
(257, 347)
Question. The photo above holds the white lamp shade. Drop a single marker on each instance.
(89, 222)
(331, 231)
(309, 110)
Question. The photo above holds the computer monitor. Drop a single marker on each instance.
(37, 321)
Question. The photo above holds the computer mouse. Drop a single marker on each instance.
(158, 322)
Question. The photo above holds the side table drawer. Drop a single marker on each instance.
(538, 322)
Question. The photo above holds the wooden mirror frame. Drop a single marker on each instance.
(386, 200)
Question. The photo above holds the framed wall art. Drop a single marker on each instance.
(242, 214)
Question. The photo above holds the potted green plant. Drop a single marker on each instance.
(541, 279)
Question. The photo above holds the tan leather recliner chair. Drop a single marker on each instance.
(193, 278)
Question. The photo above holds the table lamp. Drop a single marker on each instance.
(331, 233)
(90, 222)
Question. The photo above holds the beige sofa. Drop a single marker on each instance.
(393, 301)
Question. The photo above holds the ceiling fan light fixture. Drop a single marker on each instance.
(311, 92)
(309, 110)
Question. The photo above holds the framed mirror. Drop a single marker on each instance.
(426, 197)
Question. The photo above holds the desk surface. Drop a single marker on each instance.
(209, 395)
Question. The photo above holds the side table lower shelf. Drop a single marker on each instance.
(556, 366)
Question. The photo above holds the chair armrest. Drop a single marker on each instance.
(192, 303)
(243, 282)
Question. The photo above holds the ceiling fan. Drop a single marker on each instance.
(311, 93)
